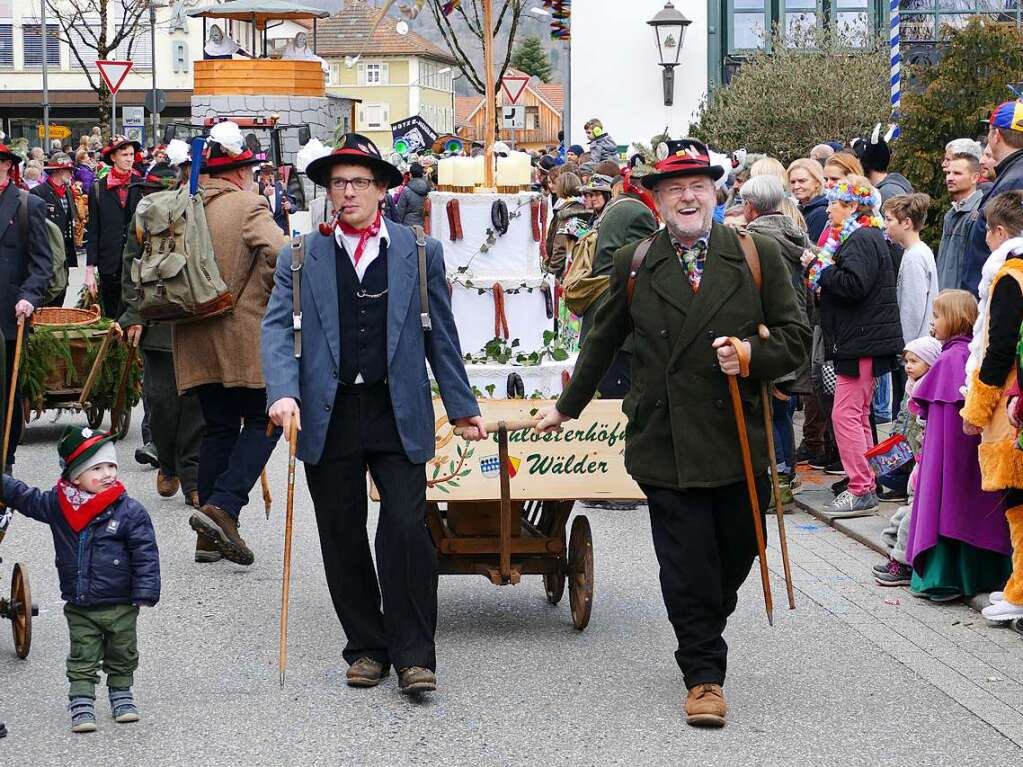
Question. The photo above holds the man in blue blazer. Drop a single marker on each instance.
(281, 203)
(361, 396)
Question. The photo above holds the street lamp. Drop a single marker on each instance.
(670, 32)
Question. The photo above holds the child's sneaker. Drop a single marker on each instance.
(995, 597)
(122, 705)
(1003, 611)
(883, 567)
(83, 714)
(849, 504)
(897, 574)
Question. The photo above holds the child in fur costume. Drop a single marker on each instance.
(991, 377)
(108, 565)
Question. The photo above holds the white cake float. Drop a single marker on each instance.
(504, 304)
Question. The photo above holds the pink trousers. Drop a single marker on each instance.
(850, 418)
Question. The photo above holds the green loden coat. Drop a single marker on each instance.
(681, 431)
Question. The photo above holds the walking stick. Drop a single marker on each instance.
(286, 582)
(779, 509)
(9, 418)
(267, 498)
(747, 465)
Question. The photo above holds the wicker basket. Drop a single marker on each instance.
(53, 315)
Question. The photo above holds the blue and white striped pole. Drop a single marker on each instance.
(896, 65)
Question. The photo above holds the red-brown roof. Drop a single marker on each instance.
(346, 33)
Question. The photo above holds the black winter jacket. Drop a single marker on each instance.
(815, 213)
(25, 267)
(859, 308)
(62, 214)
(107, 229)
(112, 561)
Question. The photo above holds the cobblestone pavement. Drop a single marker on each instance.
(857, 675)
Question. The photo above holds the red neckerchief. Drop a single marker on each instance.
(79, 517)
(364, 235)
(119, 182)
(58, 188)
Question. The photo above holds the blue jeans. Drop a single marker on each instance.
(784, 435)
(234, 447)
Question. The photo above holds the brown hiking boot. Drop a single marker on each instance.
(206, 549)
(166, 486)
(365, 672)
(705, 706)
(416, 679)
(223, 529)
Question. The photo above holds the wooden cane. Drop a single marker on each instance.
(493, 426)
(267, 498)
(15, 364)
(286, 581)
(779, 508)
(747, 465)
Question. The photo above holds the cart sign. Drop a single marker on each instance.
(114, 72)
(585, 460)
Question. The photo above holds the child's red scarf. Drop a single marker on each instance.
(80, 508)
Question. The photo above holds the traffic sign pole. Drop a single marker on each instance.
(113, 114)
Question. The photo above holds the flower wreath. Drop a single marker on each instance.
(826, 258)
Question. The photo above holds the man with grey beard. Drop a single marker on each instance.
(682, 293)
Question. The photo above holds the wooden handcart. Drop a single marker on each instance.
(502, 510)
(70, 381)
(19, 609)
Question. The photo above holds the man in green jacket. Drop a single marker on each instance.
(176, 420)
(692, 291)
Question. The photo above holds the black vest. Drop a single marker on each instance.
(362, 311)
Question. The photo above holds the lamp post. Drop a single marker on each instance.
(46, 85)
(152, 64)
(670, 32)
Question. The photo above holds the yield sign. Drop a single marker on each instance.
(113, 72)
(514, 86)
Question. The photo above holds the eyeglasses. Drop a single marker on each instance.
(673, 192)
(358, 184)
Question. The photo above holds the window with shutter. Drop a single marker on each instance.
(6, 45)
(83, 39)
(136, 48)
(385, 77)
(362, 74)
(374, 116)
(32, 39)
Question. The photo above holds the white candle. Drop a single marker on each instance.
(446, 172)
(506, 170)
(523, 169)
(476, 170)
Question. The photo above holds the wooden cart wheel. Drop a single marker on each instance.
(120, 422)
(554, 584)
(94, 415)
(21, 611)
(580, 571)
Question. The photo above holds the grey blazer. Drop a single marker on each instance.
(313, 379)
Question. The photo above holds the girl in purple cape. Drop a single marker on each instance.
(958, 536)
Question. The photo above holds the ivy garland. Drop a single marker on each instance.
(503, 352)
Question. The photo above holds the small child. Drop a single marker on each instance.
(958, 541)
(990, 377)
(919, 355)
(108, 565)
(917, 281)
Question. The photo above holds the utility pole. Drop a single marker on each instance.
(46, 86)
(152, 57)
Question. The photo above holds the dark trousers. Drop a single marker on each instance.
(784, 434)
(110, 295)
(234, 447)
(363, 433)
(816, 438)
(176, 420)
(618, 380)
(17, 421)
(705, 545)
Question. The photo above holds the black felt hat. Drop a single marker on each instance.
(354, 148)
(684, 157)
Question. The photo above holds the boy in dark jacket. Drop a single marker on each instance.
(108, 565)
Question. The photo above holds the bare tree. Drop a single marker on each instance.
(470, 15)
(103, 27)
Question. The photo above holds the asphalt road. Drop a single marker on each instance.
(518, 685)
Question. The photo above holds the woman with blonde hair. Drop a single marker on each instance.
(806, 180)
(768, 166)
(570, 220)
